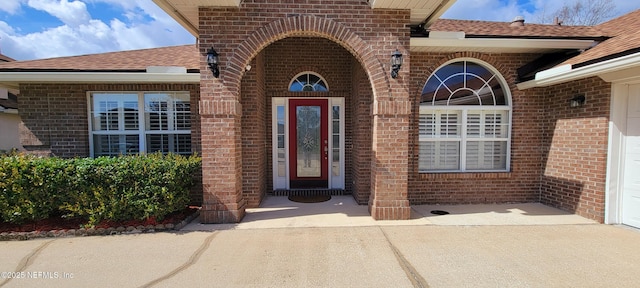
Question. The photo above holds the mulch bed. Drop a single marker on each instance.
(62, 227)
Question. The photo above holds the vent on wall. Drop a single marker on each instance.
(167, 69)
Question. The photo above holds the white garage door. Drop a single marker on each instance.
(631, 192)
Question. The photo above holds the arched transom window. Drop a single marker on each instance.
(465, 119)
(308, 81)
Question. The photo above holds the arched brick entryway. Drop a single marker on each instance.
(221, 114)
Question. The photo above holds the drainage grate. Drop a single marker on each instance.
(439, 212)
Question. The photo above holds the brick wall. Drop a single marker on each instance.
(55, 115)
(522, 183)
(575, 141)
(254, 129)
(362, 133)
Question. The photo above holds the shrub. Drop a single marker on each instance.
(29, 187)
(105, 188)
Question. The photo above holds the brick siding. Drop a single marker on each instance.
(575, 142)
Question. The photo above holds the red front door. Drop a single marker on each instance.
(308, 142)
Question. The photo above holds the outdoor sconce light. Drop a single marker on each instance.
(578, 100)
(212, 62)
(396, 63)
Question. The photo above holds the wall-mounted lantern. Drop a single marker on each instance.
(396, 63)
(212, 62)
(578, 100)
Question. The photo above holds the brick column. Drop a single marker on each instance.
(221, 161)
(390, 163)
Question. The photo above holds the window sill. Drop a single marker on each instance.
(465, 175)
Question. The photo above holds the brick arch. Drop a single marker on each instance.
(306, 25)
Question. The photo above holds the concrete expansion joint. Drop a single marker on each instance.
(192, 260)
(416, 279)
(27, 260)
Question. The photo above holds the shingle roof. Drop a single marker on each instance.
(135, 60)
(473, 28)
(4, 58)
(625, 40)
(619, 36)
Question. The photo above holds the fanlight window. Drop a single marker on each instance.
(465, 120)
(308, 81)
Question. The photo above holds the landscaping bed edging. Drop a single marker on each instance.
(121, 230)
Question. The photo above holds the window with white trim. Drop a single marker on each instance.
(465, 120)
(130, 123)
(308, 81)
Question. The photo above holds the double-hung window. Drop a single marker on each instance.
(129, 123)
(465, 120)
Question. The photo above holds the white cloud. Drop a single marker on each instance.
(147, 26)
(11, 6)
(488, 10)
(72, 13)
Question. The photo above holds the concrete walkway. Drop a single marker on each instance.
(330, 244)
(342, 211)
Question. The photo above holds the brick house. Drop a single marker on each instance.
(9, 118)
(303, 97)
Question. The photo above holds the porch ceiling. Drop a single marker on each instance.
(186, 11)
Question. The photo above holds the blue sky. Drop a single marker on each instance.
(36, 29)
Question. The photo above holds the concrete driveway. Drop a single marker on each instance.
(413, 253)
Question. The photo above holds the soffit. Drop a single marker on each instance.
(185, 12)
(421, 10)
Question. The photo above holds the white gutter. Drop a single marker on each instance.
(566, 73)
(8, 78)
(459, 41)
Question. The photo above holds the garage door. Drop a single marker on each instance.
(631, 192)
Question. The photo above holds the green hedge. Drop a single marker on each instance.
(104, 188)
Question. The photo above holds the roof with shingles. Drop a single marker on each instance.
(619, 36)
(5, 58)
(134, 60)
(625, 40)
(473, 28)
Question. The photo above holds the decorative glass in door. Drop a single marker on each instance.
(309, 143)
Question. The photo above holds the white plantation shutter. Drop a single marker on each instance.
(118, 126)
(469, 130)
(168, 123)
(435, 154)
(427, 125)
(474, 124)
(484, 152)
(449, 124)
